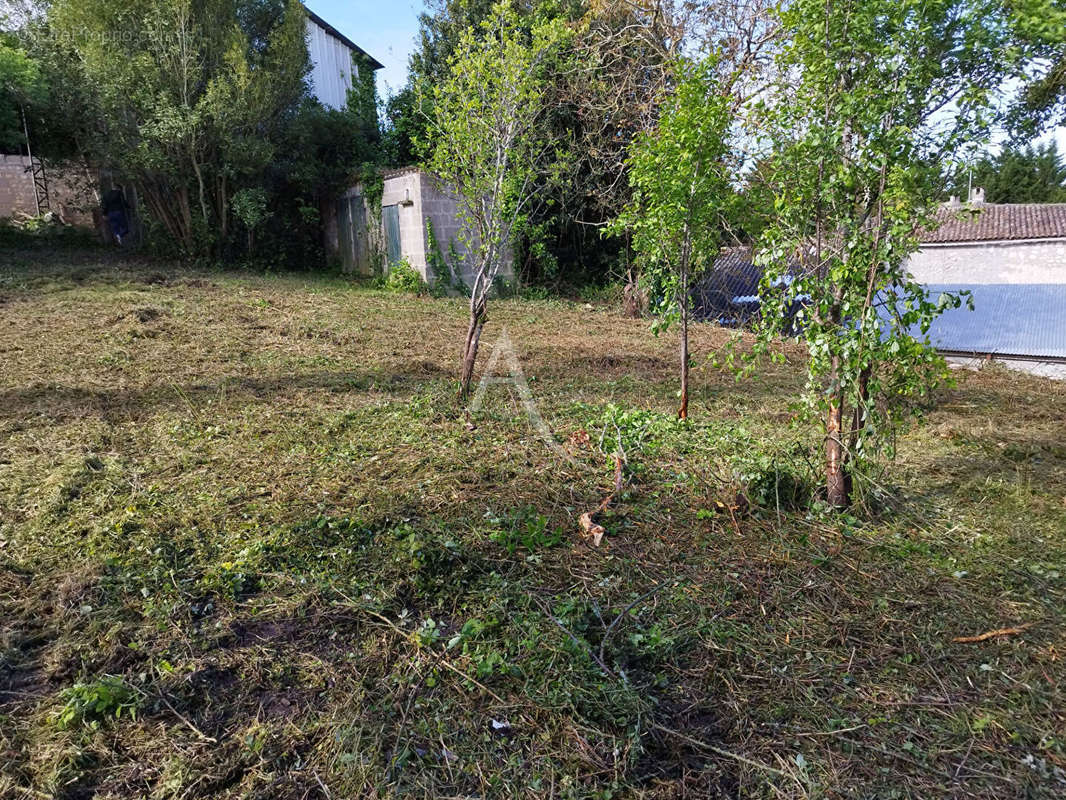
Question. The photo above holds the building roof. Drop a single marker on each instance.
(1007, 319)
(398, 171)
(990, 222)
(311, 15)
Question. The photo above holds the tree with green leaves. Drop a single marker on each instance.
(1039, 28)
(188, 98)
(486, 146)
(877, 96)
(1029, 174)
(21, 85)
(680, 177)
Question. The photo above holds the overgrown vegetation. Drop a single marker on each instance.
(249, 547)
(203, 107)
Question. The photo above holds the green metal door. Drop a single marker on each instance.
(390, 217)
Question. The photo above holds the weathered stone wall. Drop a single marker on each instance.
(981, 263)
(68, 191)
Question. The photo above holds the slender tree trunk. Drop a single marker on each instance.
(861, 405)
(185, 211)
(473, 336)
(223, 209)
(835, 478)
(201, 191)
(682, 412)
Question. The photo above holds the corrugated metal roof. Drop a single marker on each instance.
(989, 222)
(1008, 319)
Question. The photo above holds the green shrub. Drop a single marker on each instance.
(526, 529)
(92, 703)
(403, 279)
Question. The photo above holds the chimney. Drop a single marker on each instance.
(977, 196)
(953, 202)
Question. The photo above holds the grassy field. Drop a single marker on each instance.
(250, 547)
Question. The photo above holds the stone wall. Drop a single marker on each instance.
(991, 263)
(68, 189)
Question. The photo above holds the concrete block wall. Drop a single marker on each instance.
(68, 191)
(981, 263)
(404, 190)
(441, 208)
(418, 198)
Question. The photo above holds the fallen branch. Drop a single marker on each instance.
(589, 528)
(718, 750)
(982, 637)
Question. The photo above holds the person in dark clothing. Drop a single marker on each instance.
(114, 206)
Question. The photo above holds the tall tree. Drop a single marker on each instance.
(1029, 174)
(186, 97)
(486, 144)
(878, 95)
(680, 175)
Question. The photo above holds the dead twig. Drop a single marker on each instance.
(627, 609)
(719, 751)
(440, 659)
(193, 728)
(983, 637)
(581, 644)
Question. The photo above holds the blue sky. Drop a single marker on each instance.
(384, 28)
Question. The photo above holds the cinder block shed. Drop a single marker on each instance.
(418, 222)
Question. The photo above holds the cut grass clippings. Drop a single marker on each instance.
(251, 548)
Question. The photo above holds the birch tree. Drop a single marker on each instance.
(486, 146)
(876, 97)
(679, 174)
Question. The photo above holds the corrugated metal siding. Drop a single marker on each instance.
(332, 71)
(1008, 319)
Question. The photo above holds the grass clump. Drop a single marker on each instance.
(404, 279)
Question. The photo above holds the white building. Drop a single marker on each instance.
(1012, 259)
(334, 60)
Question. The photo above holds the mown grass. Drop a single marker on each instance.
(251, 547)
